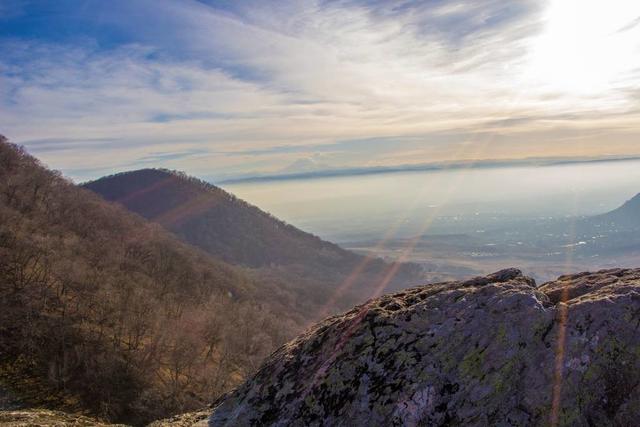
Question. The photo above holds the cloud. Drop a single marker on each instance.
(241, 86)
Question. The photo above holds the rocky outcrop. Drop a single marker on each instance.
(495, 351)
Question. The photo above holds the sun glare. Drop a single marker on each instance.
(587, 46)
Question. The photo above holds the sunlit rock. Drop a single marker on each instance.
(495, 350)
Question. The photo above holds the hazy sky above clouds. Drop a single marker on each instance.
(226, 87)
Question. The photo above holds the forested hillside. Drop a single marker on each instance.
(215, 220)
(103, 312)
(239, 233)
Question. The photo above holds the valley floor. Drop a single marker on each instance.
(455, 258)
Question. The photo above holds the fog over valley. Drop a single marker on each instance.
(472, 218)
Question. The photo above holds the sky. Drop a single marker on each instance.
(226, 88)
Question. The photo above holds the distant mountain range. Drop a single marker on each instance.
(315, 172)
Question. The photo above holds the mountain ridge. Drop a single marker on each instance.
(137, 190)
(237, 232)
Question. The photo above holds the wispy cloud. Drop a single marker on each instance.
(256, 85)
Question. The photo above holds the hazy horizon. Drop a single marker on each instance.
(370, 206)
(321, 172)
(236, 88)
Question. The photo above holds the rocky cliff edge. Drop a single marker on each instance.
(496, 350)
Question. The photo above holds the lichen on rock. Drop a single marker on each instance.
(495, 350)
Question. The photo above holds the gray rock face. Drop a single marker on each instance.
(493, 351)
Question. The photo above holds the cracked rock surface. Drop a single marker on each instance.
(495, 350)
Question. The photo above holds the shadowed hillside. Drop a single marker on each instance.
(103, 311)
(216, 221)
(627, 215)
(239, 233)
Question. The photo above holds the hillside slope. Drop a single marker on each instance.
(216, 221)
(101, 311)
(627, 215)
(239, 233)
(494, 350)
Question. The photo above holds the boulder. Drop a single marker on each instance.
(495, 350)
